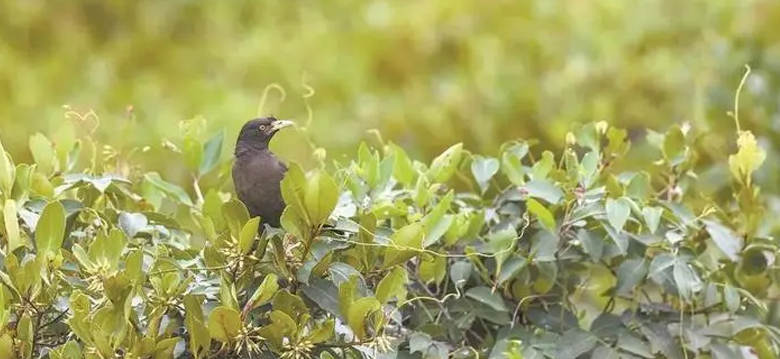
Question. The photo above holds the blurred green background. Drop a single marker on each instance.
(427, 74)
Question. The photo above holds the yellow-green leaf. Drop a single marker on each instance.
(748, 159)
(43, 153)
(293, 188)
(359, 312)
(7, 347)
(264, 292)
(7, 172)
(50, 229)
(320, 197)
(236, 216)
(444, 166)
(405, 244)
(542, 213)
(224, 324)
(11, 225)
(392, 285)
(248, 232)
(434, 270)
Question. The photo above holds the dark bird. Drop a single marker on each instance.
(257, 172)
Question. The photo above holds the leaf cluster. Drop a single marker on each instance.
(521, 255)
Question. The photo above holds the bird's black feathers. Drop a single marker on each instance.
(257, 172)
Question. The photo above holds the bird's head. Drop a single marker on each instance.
(257, 133)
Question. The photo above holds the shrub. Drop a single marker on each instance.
(523, 255)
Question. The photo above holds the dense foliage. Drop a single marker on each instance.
(522, 255)
(427, 74)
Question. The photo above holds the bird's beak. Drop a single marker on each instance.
(280, 124)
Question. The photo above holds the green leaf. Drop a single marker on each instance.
(293, 189)
(264, 292)
(593, 245)
(511, 268)
(630, 274)
(483, 169)
(324, 293)
(212, 209)
(320, 197)
(193, 153)
(7, 350)
(433, 271)
(674, 144)
(248, 232)
(544, 215)
(404, 172)
(43, 153)
(393, 285)
(511, 163)
(618, 211)
(282, 326)
(323, 333)
(501, 243)
(652, 217)
(212, 149)
(639, 186)
(347, 294)
(419, 343)
(688, 282)
(369, 165)
(290, 304)
(577, 342)
(50, 230)
(107, 250)
(731, 298)
(11, 226)
(460, 272)
(359, 312)
(436, 224)
(486, 296)
(236, 216)
(634, 345)
(545, 190)
(224, 324)
(169, 189)
(410, 240)
(542, 168)
(24, 334)
(7, 172)
(444, 166)
(724, 238)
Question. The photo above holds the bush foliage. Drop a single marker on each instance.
(522, 255)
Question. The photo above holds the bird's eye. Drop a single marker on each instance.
(262, 127)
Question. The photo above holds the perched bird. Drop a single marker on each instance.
(257, 172)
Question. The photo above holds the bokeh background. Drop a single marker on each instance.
(427, 74)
